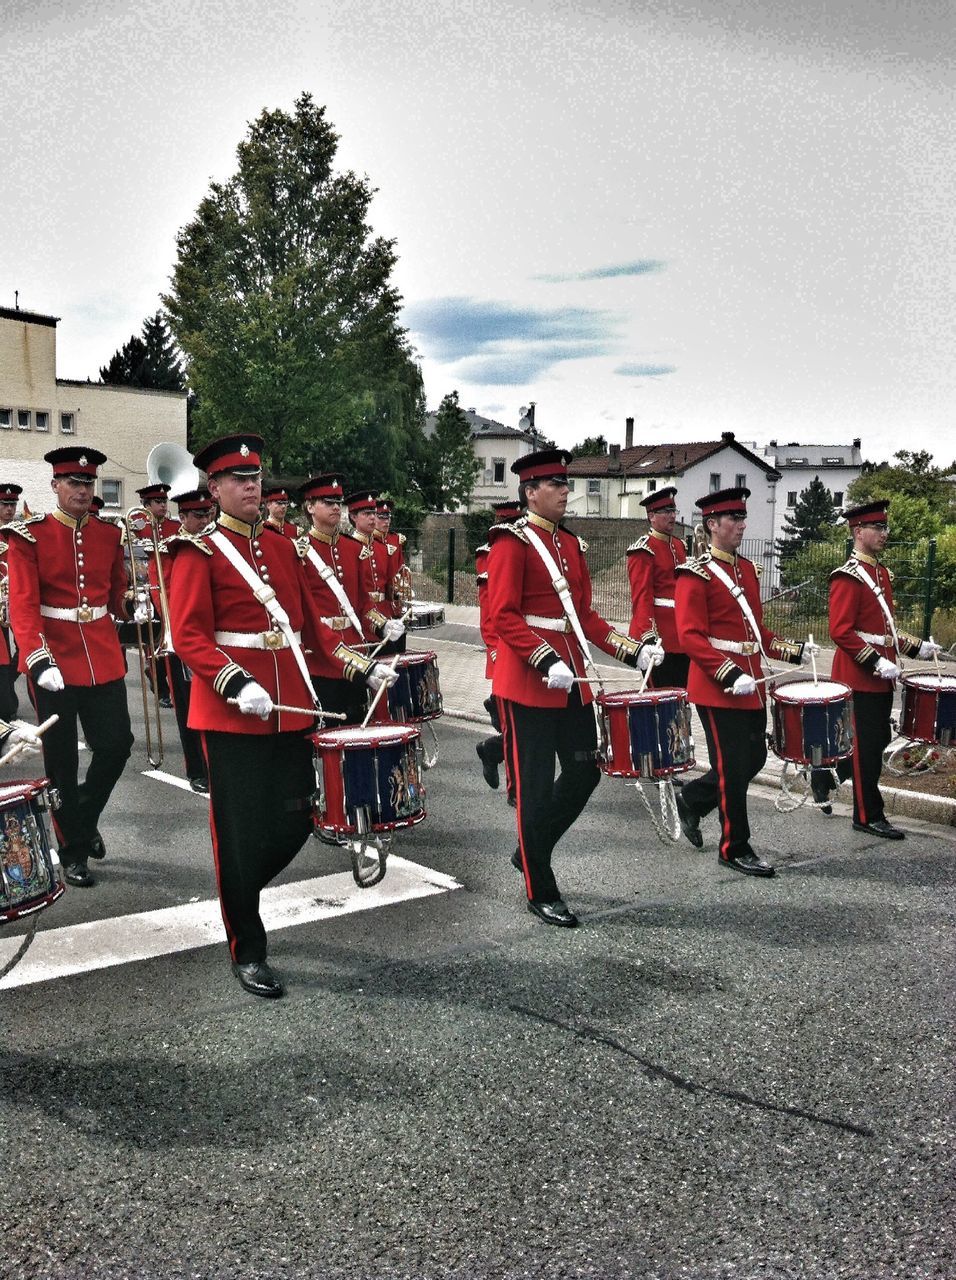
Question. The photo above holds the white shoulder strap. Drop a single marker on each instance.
(328, 576)
(738, 594)
(560, 584)
(877, 590)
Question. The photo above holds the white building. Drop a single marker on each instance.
(835, 465)
(496, 447)
(40, 412)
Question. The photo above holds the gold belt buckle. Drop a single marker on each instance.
(273, 639)
(749, 649)
(84, 613)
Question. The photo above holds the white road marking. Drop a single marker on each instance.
(173, 781)
(147, 935)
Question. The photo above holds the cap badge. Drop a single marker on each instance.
(82, 459)
(244, 450)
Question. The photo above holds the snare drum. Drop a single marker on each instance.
(812, 723)
(29, 868)
(647, 735)
(416, 694)
(423, 615)
(928, 710)
(369, 779)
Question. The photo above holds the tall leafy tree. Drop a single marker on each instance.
(282, 300)
(913, 477)
(150, 360)
(590, 447)
(449, 467)
(812, 517)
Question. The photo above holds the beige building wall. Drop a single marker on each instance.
(39, 412)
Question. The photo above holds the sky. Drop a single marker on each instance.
(711, 215)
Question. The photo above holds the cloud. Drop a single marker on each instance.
(498, 342)
(636, 370)
(640, 267)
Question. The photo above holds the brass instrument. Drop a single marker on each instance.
(152, 635)
(4, 587)
(701, 540)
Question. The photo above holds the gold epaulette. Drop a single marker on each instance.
(848, 567)
(190, 539)
(581, 543)
(758, 568)
(516, 530)
(20, 527)
(401, 539)
(695, 564)
(301, 545)
(4, 548)
(483, 548)
(642, 544)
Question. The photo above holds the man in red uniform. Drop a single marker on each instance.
(720, 624)
(9, 497)
(155, 500)
(362, 507)
(491, 751)
(275, 500)
(67, 577)
(339, 573)
(544, 712)
(869, 647)
(651, 567)
(241, 615)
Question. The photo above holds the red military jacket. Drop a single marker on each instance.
(706, 611)
(209, 599)
(488, 637)
(6, 657)
(651, 565)
(855, 609)
(76, 568)
(287, 528)
(351, 564)
(519, 588)
(389, 563)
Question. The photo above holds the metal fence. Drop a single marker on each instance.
(794, 588)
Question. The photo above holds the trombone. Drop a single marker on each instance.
(150, 646)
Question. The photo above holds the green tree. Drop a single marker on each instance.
(282, 300)
(147, 361)
(812, 517)
(449, 468)
(914, 476)
(590, 447)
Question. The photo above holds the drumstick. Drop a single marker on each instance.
(21, 746)
(378, 694)
(382, 643)
(297, 711)
(813, 656)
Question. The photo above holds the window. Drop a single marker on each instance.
(838, 498)
(792, 498)
(498, 468)
(651, 486)
(24, 419)
(715, 482)
(66, 423)
(570, 485)
(741, 481)
(42, 420)
(6, 419)
(111, 492)
(833, 462)
(594, 486)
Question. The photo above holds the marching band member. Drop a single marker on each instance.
(491, 751)
(539, 591)
(241, 615)
(339, 573)
(720, 622)
(155, 500)
(868, 650)
(361, 508)
(67, 577)
(651, 568)
(9, 497)
(275, 501)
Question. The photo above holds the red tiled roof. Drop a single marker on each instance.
(657, 460)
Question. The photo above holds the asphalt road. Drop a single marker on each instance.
(713, 1077)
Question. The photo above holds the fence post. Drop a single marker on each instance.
(450, 594)
(928, 596)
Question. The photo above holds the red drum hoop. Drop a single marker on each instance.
(30, 877)
(812, 722)
(646, 734)
(928, 709)
(369, 779)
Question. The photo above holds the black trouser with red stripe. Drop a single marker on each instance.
(260, 815)
(871, 736)
(350, 697)
(737, 747)
(104, 716)
(193, 758)
(671, 673)
(533, 737)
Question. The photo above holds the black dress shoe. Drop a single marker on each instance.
(166, 704)
(749, 864)
(880, 828)
(258, 979)
(77, 873)
(489, 770)
(553, 913)
(200, 785)
(820, 788)
(689, 823)
(97, 847)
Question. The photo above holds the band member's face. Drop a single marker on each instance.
(663, 521)
(727, 532)
(195, 521)
(157, 508)
(7, 511)
(383, 520)
(277, 507)
(871, 538)
(325, 513)
(239, 496)
(73, 496)
(549, 499)
(364, 521)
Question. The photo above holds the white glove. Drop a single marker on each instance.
(743, 686)
(381, 674)
(254, 701)
(24, 735)
(886, 670)
(650, 655)
(51, 680)
(929, 649)
(560, 676)
(809, 651)
(394, 629)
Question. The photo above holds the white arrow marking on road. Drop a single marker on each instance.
(147, 935)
